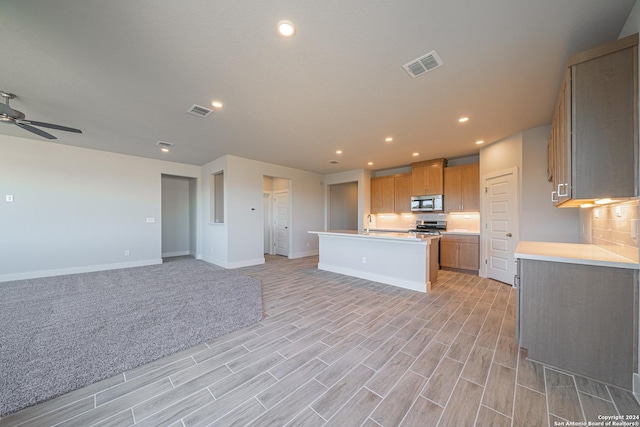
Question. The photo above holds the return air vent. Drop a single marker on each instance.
(163, 144)
(425, 63)
(199, 111)
(334, 162)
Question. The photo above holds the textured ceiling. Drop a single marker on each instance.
(125, 72)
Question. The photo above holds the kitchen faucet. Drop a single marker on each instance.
(368, 222)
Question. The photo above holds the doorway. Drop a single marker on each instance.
(343, 206)
(178, 215)
(277, 215)
(500, 224)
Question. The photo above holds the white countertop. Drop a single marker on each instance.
(461, 232)
(573, 253)
(406, 237)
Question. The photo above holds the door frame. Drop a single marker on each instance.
(192, 208)
(485, 216)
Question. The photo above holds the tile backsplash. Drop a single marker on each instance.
(457, 221)
(612, 228)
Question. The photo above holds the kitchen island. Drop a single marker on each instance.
(405, 260)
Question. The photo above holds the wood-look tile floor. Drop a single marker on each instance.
(339, 351)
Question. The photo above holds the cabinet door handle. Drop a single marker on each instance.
(554, 200)
(509, 234)
(566, 193)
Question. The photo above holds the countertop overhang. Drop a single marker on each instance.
(573, 253)
(396, 236)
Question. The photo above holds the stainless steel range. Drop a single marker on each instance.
(429, 228)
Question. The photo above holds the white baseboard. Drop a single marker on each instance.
(304, 254)
(75, 270)
(406, 284)
(172, 254)
(232, 265)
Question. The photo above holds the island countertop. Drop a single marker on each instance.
(573, 253)
(385, 235)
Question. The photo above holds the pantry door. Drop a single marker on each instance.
(500, 224)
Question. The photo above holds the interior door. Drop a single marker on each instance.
(501, 225)
(268, 232)
(281, 222)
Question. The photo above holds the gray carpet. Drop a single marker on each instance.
(61, 333)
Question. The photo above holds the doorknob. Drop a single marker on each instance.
(509, 234)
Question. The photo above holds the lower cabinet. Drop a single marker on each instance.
(461, 252)
(579, 318)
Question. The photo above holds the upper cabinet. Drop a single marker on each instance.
(428, 177)
(391, 194)
(593, 146)
(402, 186)
(462, 188)
(383, 195)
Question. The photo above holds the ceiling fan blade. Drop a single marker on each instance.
(52, 126)
(36, 131)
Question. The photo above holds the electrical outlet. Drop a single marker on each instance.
(151, 220)
(127, 252)
(8, 198)
(364, 259)
(618, 211)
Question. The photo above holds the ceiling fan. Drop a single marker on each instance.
(15, 117)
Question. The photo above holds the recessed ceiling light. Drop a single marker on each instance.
(415, 154)
(286, 28)
(370, 163)
(216, 104)
(388, 139)
(164, 150)
(338, 151)
(480, 142)
(463, 119)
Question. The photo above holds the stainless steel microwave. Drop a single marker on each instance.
(433, 203)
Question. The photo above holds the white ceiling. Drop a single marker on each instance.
(126, 71)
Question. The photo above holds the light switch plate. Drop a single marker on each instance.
(8, 198)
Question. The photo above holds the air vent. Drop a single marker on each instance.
(334, 162)
(163, 144)
(199, 111)
(425, 63)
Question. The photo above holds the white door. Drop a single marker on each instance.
(268, 232)
(281, 222)
(501, 224)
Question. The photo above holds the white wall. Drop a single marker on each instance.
(239, 242)
(76, 209)
(539, 219)
(214, 235)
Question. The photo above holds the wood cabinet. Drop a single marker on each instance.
(383, 195)
(579, 318)
(427, 177)
(402, 187)
(391, 194)
(461, 252)
(593, 144)
(462, 188)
